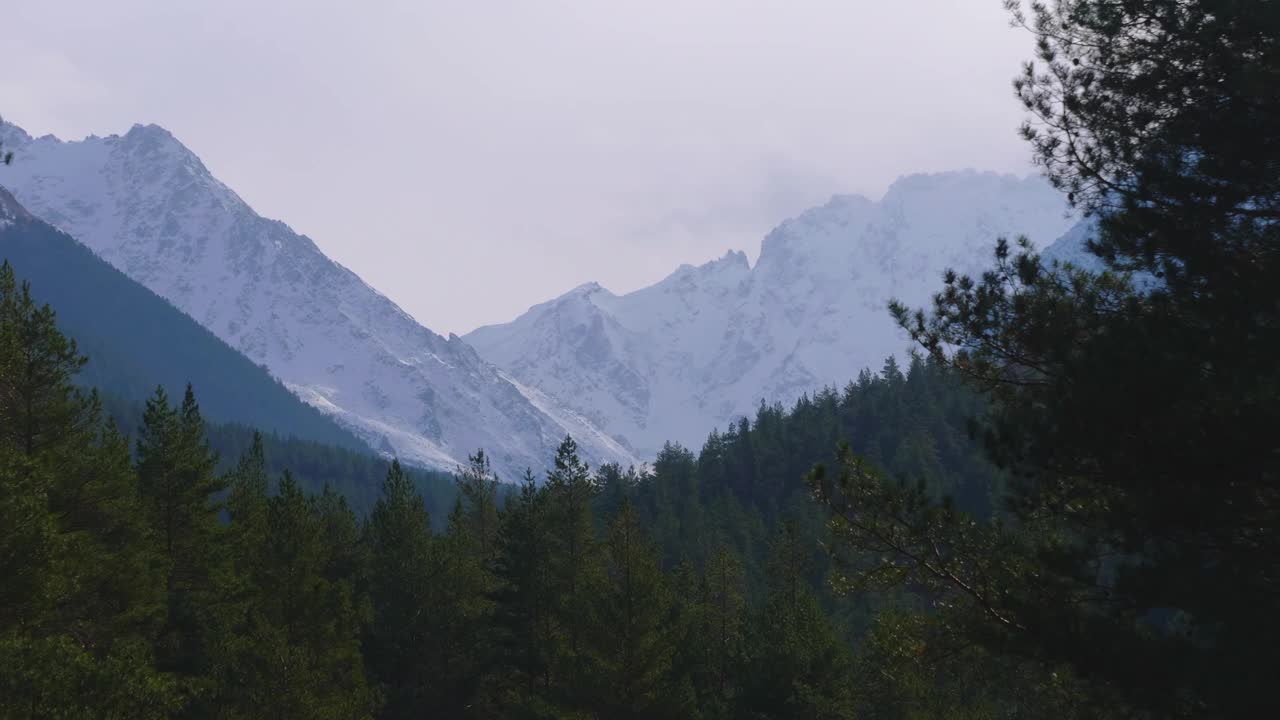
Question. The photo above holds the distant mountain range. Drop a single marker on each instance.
(621, 373)
(148, 206)
(710, 343)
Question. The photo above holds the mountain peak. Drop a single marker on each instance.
(733, 265)
(148, 130)
(155, 143)
(587, 288)
(146, 204)
(735, 258)
(153, 136)
(701, 347)
(12, 136)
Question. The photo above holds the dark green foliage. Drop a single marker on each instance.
(298, 650)
(206, 589)
(797, 666)
(398, 535)
(80, 596)
(478, 519)
(1159, 117)
(633, 646)
(213, 590)
(356, 475)
(743, 483)
(524, 594)
(1083, 530)
(576, 564)
(711, 636)
(177, 484)
(1131, 412)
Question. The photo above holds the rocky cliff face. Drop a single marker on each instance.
(709, 343)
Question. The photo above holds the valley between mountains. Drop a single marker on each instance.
(622, 374)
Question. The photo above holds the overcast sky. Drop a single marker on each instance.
(471, 158)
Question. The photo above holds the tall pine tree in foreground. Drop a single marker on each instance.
(525, 595)
(633, 643)
(178, 486)
(576, 566)
(398, 535)
(478, 490)
(797, 666)
(1132, 409)
(79, 597)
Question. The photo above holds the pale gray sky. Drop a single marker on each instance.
(470, 158)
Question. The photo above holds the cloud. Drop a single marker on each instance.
(472, 158)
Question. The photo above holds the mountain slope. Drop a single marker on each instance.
(147, 205)
(1073, 247)
(136, 340)
(709, 343)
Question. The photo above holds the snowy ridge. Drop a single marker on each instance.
(707, 344)
(147, 204)
(1073, 248)
(10, 210)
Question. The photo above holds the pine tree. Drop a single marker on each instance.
(398, 535)
(39, 406)
(175, 468)
(247, 505)
(346, 556)
(29, 544)
(617, 486)
(119, 593)
(633, 648)
(248, 484)
(462, 651)
(721, 615)
(1127, 405)
(45, 414)
(478, 487)
(241, 648)
(797, 666)
(680, 526)
(79, 596)
(178, 487)
(525, 593)
(575, 564)
(318, 671)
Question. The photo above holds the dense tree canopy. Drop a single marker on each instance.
(1135, 541)
(163, 582)
(1065, 507)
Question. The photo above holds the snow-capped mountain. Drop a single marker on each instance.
(1073, 247)
(708, 343)
(146, 204)
(10, 209)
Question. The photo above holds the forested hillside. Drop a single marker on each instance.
(748, 479)
(356, 475)
(137, 340)
(692, 590)
(1065, 507)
